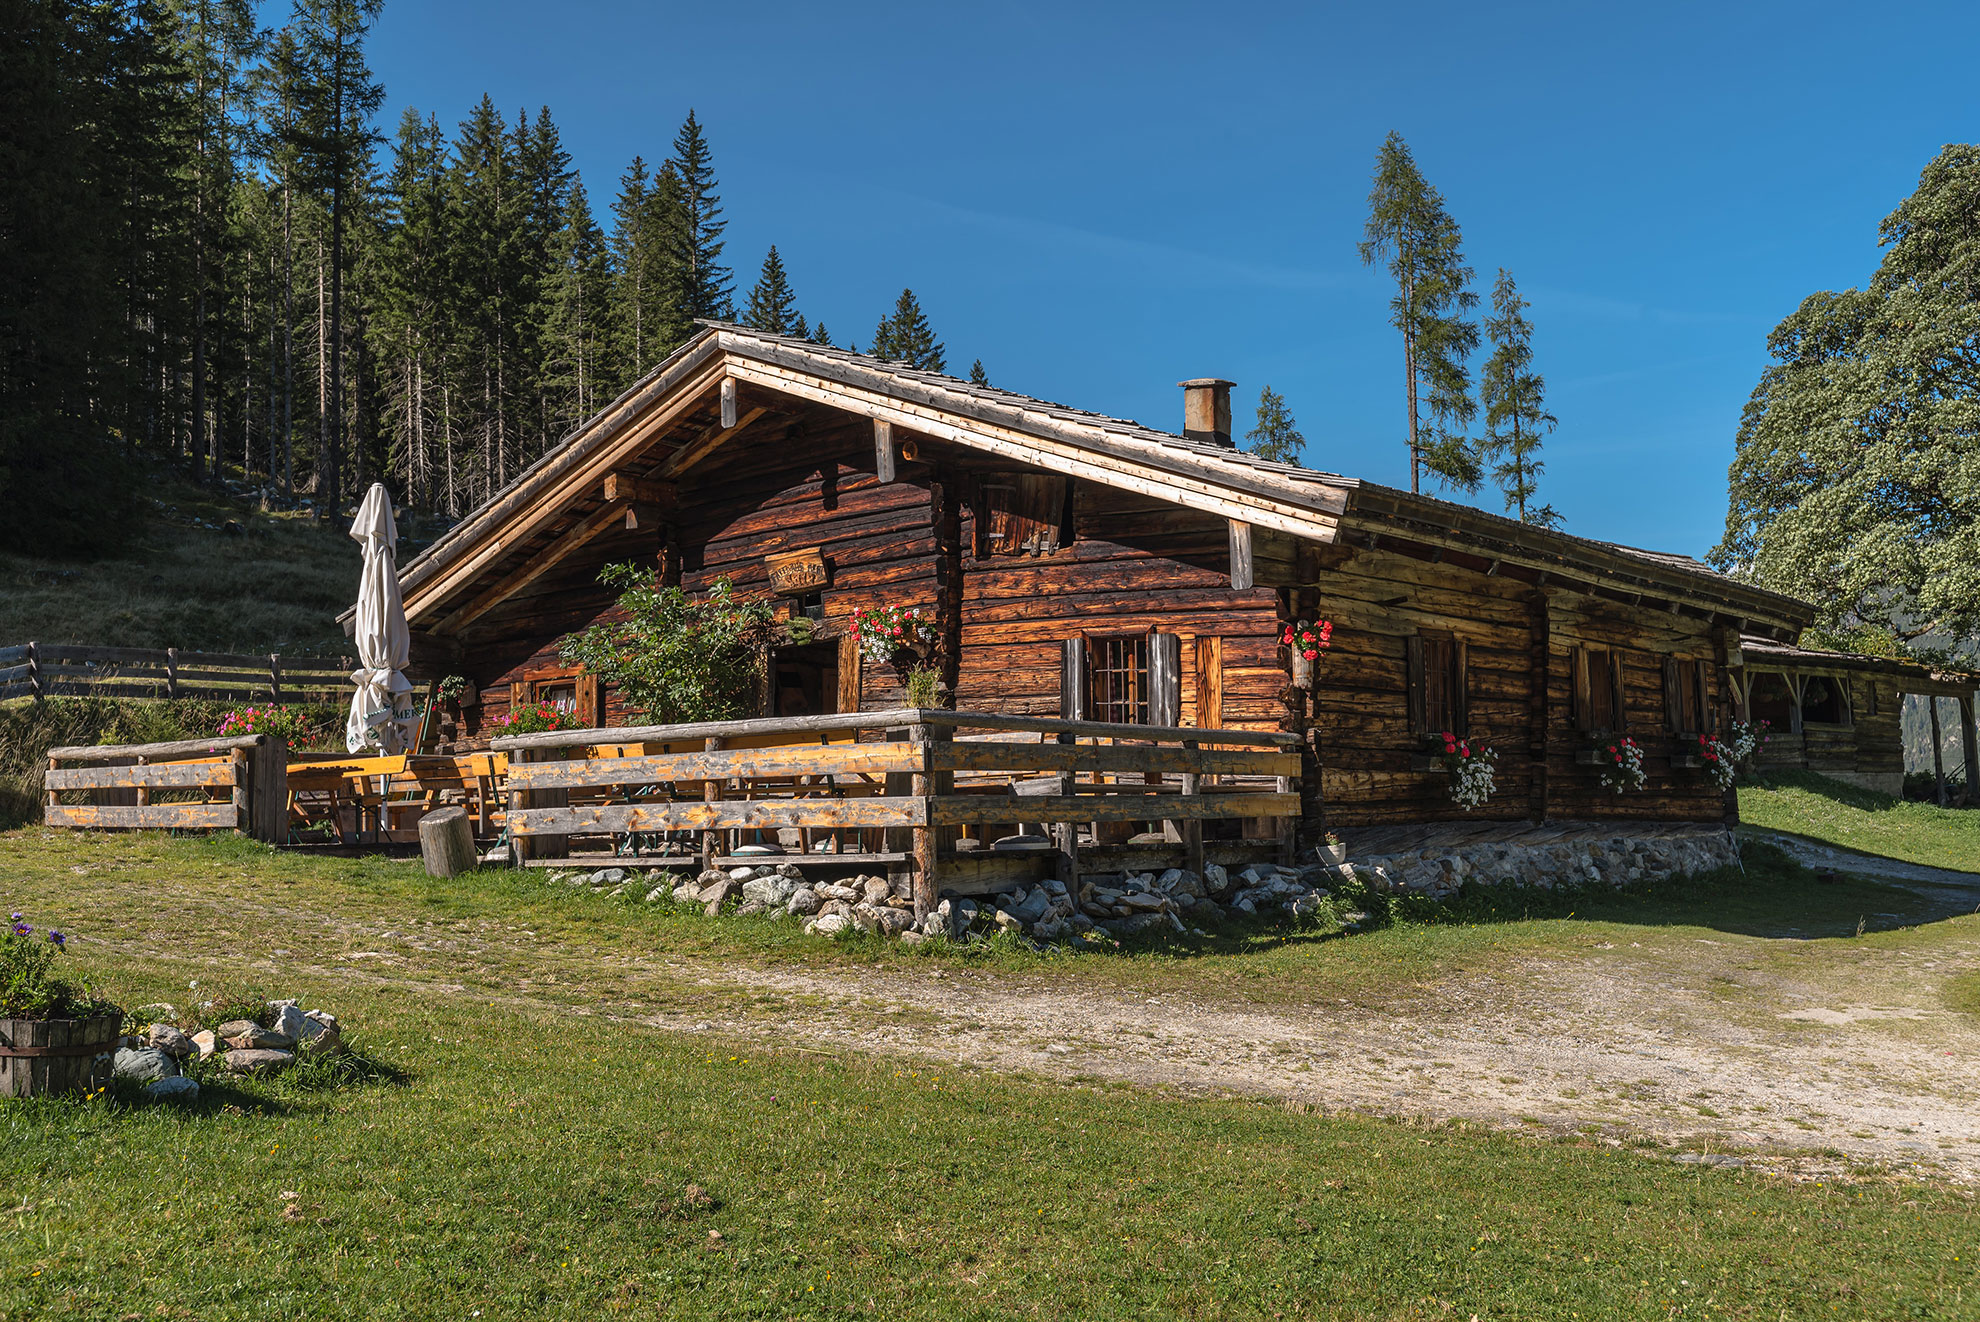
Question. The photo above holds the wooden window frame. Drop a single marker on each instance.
(588, 698)
(994, 498)
(1840, 686)
(1419, 650)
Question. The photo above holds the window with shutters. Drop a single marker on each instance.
(1686, 706)
(1824, 701)
(569, 689)
(1598, 691)
(1438, 684)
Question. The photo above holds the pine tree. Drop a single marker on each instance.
(1514, 396)
(907, 337)
(411, 322)
(821, 336)
(771, 303)
(575, 332)
(702, 283)
(1275, 437)
(646, 224)
(977, 376)
(335, 138)
(1409, 229)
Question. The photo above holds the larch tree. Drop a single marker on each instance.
(1275, 436)
(1852, 483)
(907, 337)
(1410, 231)
(772, 306)
(1515, 400)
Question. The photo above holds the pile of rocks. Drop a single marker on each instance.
(1559, 854)
(158, 1057)
(1177, 899)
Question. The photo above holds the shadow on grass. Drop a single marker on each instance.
(310, 1079)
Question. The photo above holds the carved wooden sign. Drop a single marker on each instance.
(797, 572)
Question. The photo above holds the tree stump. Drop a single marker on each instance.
(446, 842)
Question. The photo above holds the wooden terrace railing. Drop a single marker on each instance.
(238, 784)
(883, 776)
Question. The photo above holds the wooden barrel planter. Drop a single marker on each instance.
(55, 1057)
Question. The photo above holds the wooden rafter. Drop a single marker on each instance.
(706, 444)
(508, 585)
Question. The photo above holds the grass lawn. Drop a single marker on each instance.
(532, 1152)
(1850, 818)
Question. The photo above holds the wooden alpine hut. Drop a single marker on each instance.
(1087, 567)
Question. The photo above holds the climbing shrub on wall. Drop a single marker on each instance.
(675, 657)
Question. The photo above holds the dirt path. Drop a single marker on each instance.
(1602, 1050)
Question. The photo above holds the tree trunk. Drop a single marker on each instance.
(446, 842)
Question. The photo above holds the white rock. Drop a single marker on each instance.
(143, 1064)
(172, 1088)
(803, 900)
(877, 890)
(321, 1034)
(288, 1021)
(829, 924)
(170, 1041)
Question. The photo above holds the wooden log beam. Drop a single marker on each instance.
(883, 449)
(786, 762)
(627, 487)
(974, 810)
(508, 585)
(719, 815)
(1242, 575)
(1185, 761)
(156, 816)
(164, 775)
(156, 752)
(728, 403)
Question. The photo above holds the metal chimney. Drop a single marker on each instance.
(1207, 410)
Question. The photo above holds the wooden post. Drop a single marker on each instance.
(1241, 574)
(883, 449)
(171, 672)
(728, 403)
(242, 818)
(711, 792)
(446, 842)
(926, 837)
(1938, 755)
(1066, 834)
(519, 846)
(1192, 830)
(275, 677)
(53, 796)
(143, 791)
(1288, 826)
(1970, 740)
(34, 672)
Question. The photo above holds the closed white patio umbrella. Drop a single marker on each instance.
(381, 709)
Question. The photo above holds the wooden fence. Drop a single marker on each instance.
(43, 670)
(913, 775)
(238, 784)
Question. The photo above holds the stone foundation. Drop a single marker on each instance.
(1437, 858)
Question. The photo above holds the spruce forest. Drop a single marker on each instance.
(214, 257)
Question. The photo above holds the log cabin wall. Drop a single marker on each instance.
(1865, 748)
(1132, 565)
(1378, 768)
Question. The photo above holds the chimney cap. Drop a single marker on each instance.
(1205, 381)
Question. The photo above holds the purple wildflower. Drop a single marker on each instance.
(58, 939)
(22, 929)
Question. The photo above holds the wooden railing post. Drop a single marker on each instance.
(34, 672)
(711, 792)
(143, 791)
(275, 677)
(1192, 828)
(171, 672)
(1065, 835)
(242, 820)
(519, 851)
(927, 854)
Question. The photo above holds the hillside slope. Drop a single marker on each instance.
(207, 572)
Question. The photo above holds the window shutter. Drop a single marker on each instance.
(589, 709)
(1616, 680)
(1418, 715)
(1072, 680)
(1676, 718)
(1461, 687)
(1164, 679)
(1580, 702)
(849, 673)
(518, 695)
(1210, 683)
(1708, 715)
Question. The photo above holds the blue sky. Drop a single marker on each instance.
(1100, 200)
